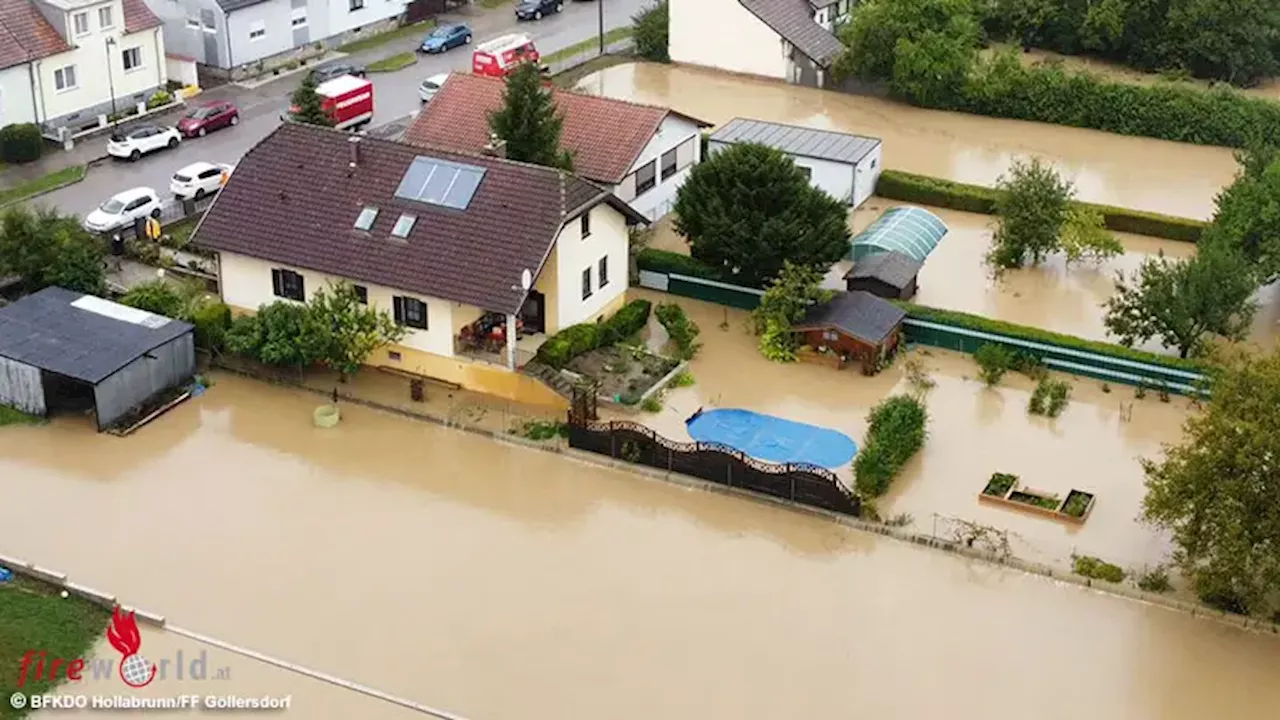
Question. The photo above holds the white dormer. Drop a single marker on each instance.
(81, 20)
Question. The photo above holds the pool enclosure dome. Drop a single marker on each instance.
(912, 231)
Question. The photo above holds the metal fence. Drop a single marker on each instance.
(798, 482)
(699, 289)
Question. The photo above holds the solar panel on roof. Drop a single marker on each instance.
(440, 182)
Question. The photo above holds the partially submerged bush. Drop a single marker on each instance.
(895, 432)
(683, 331)
(994, 360)
(1092, 567)
(576, 340)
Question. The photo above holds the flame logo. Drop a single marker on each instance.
(123, 635)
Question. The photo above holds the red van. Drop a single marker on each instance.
(499, 56)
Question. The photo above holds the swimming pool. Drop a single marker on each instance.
(771, 438)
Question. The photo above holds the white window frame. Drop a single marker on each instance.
(110, 16)
(66, 87)
(299, 17)
(257, 30)
(193, 23)
(124, 58)
(75, 24)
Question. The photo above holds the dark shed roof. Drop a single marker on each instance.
(856, 313)
(80, 336)
(889, 267)
(793, 20)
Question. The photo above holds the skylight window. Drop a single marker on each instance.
(404, 226)
(366, 218)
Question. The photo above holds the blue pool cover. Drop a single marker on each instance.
(773, 439)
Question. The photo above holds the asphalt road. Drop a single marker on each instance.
(395, 95)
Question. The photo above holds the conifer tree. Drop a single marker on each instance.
(309, 104)
(528, 122)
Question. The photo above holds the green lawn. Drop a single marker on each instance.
(9, 416)
(40, 185)
(399, 61)
(34, 617)
(610, 37)
(491, 4)
(569, 78)
(386, 37)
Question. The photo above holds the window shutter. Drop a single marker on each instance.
(277, 283)
(302, 287)
(398, 305)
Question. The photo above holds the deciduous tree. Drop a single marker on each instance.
(1032, 208)
(309, 104)
(1085, 237)
(651, 32)
(1218, 490)
(1184, 302)
(353, 329)
(44, 248)
(748, 209)
(792, 293)
(874, 36)
(1248, 212)
(529, 122)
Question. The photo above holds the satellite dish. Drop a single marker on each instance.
(526, 279)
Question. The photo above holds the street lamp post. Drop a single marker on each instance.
(600, 15)
(111, 84)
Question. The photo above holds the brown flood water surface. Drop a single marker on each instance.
(1141, 173)
(504, 583)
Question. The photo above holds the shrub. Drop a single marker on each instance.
(895, 432)
(21, 143)
(994, 360)
(906, 187)
(161, 97)
(156, 296)
(665, 261)
(683, 331)
(651, 32)
(652, 404)
(212, 322)
(1155, 580)
(575, 340)
(1034, 334)
(1092, 567)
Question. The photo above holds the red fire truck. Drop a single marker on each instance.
(499, 56)
(348, 100)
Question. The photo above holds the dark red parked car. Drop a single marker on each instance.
(206, 118)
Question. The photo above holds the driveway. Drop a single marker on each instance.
(395, 95)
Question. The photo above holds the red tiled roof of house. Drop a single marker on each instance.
(294, 200)
(25, 35)
(605, 135)
(137, 16)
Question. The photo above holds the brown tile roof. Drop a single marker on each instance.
(25, 35)
(137, 16)
(605, 135)
(293, 199)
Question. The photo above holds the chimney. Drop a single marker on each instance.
(354, 142)
(496, 147)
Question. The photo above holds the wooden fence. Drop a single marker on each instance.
(798, 482)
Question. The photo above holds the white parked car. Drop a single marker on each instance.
(431, 86)
(123, 209)
(199, 179)
(139, 140)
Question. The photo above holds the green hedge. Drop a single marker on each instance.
(1034, 334)
(895, 432)
(925, 190)
(575, 340)
(665, 261)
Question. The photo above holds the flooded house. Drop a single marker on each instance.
(66, 351)
(480, 259)
(792, 40)
(642, 153)
(842, 165)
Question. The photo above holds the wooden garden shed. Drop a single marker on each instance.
(854, 326)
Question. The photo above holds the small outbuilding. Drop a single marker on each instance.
(912, 231)
(845, 166)
(854, 326)
(887, 274)
(64, 350)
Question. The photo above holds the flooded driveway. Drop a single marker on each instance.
(1142, 173)
(508, 584)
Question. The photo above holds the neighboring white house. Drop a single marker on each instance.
(642, 153)
(64, 64)
(790, 40)
(480, 259)
(845, 166)
(234, 36)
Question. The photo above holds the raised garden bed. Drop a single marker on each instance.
(625, 373)
(1004, 489)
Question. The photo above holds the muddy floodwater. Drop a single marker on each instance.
(1142, 173)
(505, 583)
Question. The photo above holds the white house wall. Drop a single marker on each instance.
(675, 133)
(867, 175)
(341, 18)
(17, 103)
(274, 17)
(723, 34)
(575, 253)
(246, 284)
